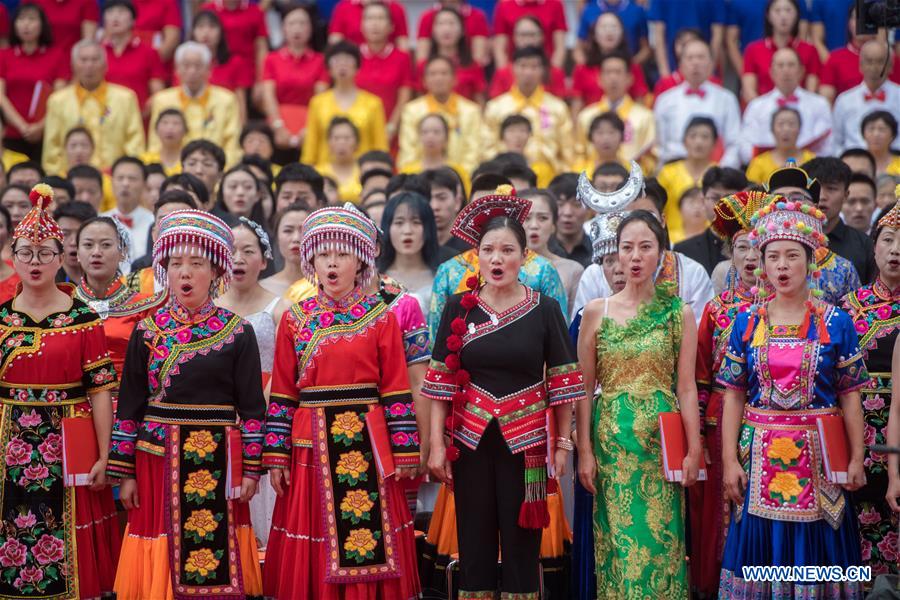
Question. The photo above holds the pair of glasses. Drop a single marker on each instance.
(799, 197)
(44, 255)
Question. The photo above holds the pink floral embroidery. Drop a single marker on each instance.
(326, 319)
(13, 553)
(161, 352)
(398, 409)
(866, 550)
(184, 336)
(869, 516)
(863, 293)
(310, 304)
(869, 435)
(862, 326)
(61, 321)
(49, 549)
(888, 547)
(15, 341)
(214, 324)
(873, 402)
(13, 320)
(34, 473)
(253, 449)
(51, 448)
(127, 426)
(305, 335)
(31, 419)
(357, 310)
(723, 321)
(26, 521)
(29, 576)
(400, 439)
(252, 426)
(18, 452)
(884, 311)
(161, 319)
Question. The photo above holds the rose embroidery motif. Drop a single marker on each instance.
(25, 521)
(200, 485)
(61, 321)
(200, 445)
(13, 320)
(347, 428)
(202, 564)
(201, 525)
(351, 467)
(31, 419)
(787, 487)
(784, 451)
(357, 505)
(360, 544)
(13, 553)
(51, 448)
(18, 452)
(48, 550)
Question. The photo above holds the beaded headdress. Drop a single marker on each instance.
(603, 230)
(38, 226)
(261, 234)
(194, 233)
(892, 218)
(470, 221)
(782, 220)
(734, 212)
(339, 228)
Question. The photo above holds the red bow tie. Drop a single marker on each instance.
(126, 221)
(695, 92)
(792, 99)
(879, 95)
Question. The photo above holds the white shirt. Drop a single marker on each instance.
(852, 106)
(142, 221)
(694, 286)
(815, 128)
(675, 108)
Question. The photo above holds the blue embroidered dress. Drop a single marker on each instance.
(791, 515)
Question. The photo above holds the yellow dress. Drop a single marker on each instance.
(110, 113)
(214, 115)
(640, 132)
(463, 119)
(763, 164)
(12, 158)
(150, 158)
(551, 126)
(367, 113)
(300, 290)
(676, 180)
(893, 167)
(348, 191)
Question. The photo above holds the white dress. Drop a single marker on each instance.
(263, 503)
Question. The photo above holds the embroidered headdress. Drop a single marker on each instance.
(339, 228)
(470, 222)
(790, 175)
(604, 202)
(194, 233)
(38, 226)
(603, 230)
(734, 212)
(892, 218)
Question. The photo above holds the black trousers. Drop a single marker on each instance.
(489, 485)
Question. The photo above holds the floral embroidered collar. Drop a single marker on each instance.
(342, 304)
(884, 292)
(185, 316)
(116, 290)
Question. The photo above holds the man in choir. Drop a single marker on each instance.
(129, 176)
(108, 111)
(211, 112)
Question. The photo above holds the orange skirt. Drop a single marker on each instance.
(144, 570)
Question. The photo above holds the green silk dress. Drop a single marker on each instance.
(638, 515)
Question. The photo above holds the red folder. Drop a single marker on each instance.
(674, 446)
(235, 449)
(80, 451)
(376, 424)
(835, 447)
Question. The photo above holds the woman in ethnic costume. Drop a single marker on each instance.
(875, 310)
(245, 297)
(341, 430)
(103, 243)
(56, 542)
(502, 359)
(788, 361)
(707, 504)
(189, 422)
(639, 346)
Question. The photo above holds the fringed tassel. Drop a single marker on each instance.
(751, 321)
(822, 330)
(534, 513)
(759, 335)
(803, 333)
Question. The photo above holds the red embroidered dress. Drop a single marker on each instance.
(56, 542)
(341, 531)
(189, 381)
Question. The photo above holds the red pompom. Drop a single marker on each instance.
(472, 282)
(469, 301)
(458, 326)
(463, 378)
(452, 361)
(454, 343)
(452, 453)
(460, 399)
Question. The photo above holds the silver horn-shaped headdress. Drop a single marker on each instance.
(604, 202)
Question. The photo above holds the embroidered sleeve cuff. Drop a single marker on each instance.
(401, 423)
(121, 449)
(99, 376)
(279, 420)
(439, 383)
(252, 432)
(565, 384)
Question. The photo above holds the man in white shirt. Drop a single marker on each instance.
(697, 96)
(874, 93)
(128, 179)
(815, 113)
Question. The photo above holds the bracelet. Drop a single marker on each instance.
(565, 444)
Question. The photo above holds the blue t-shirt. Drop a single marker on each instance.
(634, 19)
(487, 6)
(750, 16)
(681, 14)
(833, 14)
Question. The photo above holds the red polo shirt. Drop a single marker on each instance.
(503, 80)
(65, 18)
(242, 27)
(470, 80)
(586, 83)
(134, 68)
(21, 73)
(475, 21)
(346, 19)
(758, 59)
(841, 70)
(384, 74)
(295, 77)
(550, 13)
(153, 16)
